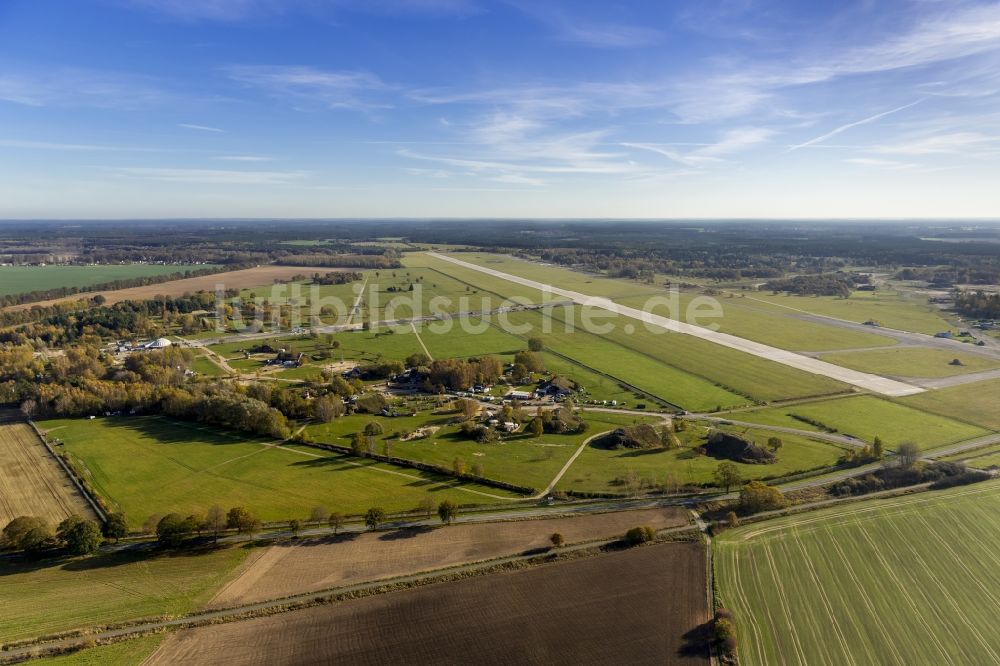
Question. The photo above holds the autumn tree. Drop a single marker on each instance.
(336, 521)
(557, 539)
(215, 521)
(727, 475)
(426, 506)
(318, 515)
(758, 496)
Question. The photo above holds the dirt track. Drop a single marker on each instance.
(31, 482)
(250, 277)
(642, 606)
(318, 564)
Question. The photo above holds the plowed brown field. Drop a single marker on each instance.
(31, 482)
(643, 606)
(317, 564)
(250, 277)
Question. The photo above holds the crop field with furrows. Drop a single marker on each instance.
(250, 277)
(51, 596)
(641, 606)
(904, 581)
(32, 483)
(603, 470)
(977, 402)
(23, 279)
(148, 465)
(866, 417)
(913, 362)
(304, 566)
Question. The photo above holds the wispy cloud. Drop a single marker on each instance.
(731, 142)
(79, 87)
(244, 158)
(335, 89)
(208, 176)
(857, 123)
(965, 143)
(201, 128)
(569, 25)
(892, 165)
(232, 11)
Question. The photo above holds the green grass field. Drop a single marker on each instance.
(905, 581)
(912, 362)
(890, 307)
(23, 279)
(605, 355)
(976, 402)
(48, 597)
(522, 460)
(206, 367)
(149, 465)
(744, 318)
(126, 653)
(739, 315)
(701, 375)
(867, 416)
(600, 470)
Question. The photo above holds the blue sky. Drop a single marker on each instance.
(478, 108)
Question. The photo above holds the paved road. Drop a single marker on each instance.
(864, 380)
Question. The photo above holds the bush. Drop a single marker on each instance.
(640, 535)
(758, 496)
(725, 635)
(373, 428)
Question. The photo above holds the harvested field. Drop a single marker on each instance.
(31, 482)
(250, 277)
(318, 564)
(642, 606)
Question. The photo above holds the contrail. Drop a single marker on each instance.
(843, 128)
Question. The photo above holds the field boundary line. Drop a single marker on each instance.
(69, 472)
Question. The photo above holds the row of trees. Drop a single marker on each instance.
(75, 535)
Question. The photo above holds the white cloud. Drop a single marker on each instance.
(244, 158)
(892, 165)
(843, 128)
(570, 26)
(79, 87)
(964, 143)
(200, 128)
(704, 155)
(208, 176)
(336, 89)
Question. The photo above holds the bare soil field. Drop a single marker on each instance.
(642, 606)
(310, 565)
(31, 482)
(251, 277)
